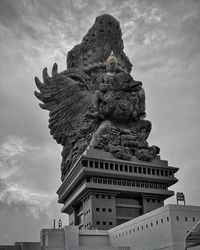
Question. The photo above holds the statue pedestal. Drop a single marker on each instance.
(101, 192)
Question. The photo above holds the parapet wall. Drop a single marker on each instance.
(71, 238)
(163, 228)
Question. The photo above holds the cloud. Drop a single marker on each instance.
(27, 193)
(15, 195)
(29, 165)
(22, 211)
(161, 39)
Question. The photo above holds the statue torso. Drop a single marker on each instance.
(120, 97)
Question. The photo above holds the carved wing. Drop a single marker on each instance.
(67, 97)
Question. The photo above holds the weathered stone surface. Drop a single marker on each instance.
(105, 35)
(97, 99)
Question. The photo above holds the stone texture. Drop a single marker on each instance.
(96, 99)
(105, 35)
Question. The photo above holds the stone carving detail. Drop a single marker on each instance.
(96, 99)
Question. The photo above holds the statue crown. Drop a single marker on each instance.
(111, 58)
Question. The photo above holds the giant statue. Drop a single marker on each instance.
(96, 100)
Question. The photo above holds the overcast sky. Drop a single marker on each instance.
(161, 39)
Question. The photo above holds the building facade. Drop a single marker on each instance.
(163, 228)
(101, 192)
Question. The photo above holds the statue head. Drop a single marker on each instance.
(111, 63)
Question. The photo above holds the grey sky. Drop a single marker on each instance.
(161, 39)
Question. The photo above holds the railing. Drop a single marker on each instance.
(128, 168)
(128, 183)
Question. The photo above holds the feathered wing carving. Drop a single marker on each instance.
(67, 97)
(96, 97)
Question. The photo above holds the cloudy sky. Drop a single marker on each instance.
(161, 39)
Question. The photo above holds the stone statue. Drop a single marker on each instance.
(96, 99)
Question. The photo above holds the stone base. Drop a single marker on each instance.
(101, 192)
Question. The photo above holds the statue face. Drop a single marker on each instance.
(111, 66)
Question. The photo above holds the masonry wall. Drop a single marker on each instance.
(22, 246)
(149, 231)
(183, 219)
(53, 239)
(164, 228)
(93, 238)
(104, 211)
(9, 247)
(158, 229)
